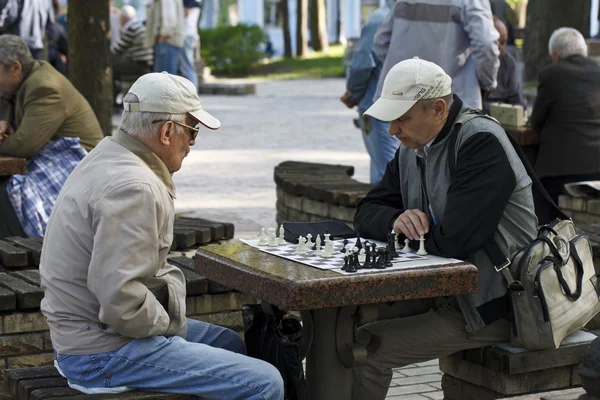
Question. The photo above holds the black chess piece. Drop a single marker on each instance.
(367, 263)
(343, 250)
(351, 265)
(373, 255)
(356, 262)
(380, 259)
(387, 260)
(392, 245)
(358, 243)
(345, 267)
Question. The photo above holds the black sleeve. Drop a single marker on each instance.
(376, 213)
(483, 183)
(543, 100)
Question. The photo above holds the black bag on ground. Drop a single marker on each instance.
(337, 229)
(276, 339)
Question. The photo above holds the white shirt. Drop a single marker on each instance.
(191, 22)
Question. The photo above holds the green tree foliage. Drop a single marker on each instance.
(232, 50)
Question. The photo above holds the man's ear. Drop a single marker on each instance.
(17, 68)
(439, 106)
(166, 133)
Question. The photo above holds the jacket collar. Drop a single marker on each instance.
(147, 156)
(454, 111)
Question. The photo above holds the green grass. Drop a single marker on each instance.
(313, 65)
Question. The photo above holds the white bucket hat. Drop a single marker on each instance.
(406, 83)
(166, 93)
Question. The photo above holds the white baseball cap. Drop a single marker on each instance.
(166, 93)
(406, 83)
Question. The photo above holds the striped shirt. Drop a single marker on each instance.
(131, 43)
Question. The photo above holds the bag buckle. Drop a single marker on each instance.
(502, 267)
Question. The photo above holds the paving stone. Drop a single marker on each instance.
(439, 395)
(410, 389)
(421, 370)
(411, 380)
(408, 397)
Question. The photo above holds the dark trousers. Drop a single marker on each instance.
(9, 223)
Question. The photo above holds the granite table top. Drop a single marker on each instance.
(12, 166)
(294, 286)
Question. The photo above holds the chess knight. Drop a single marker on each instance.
(457, 203)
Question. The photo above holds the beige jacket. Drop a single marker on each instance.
(156, 28)
(103, 267)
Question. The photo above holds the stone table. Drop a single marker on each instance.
(12, 166)
(328, 301)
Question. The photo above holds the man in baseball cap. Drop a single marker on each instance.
(455, 185)
(110, 294)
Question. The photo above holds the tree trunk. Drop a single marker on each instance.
(90, 68)
(543, 17)
(301, 28)
(285, 19)
(318, 25)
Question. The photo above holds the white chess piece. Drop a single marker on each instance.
(299, 247)
(309, 242)
(318, 249)
(328, 252)
(263, 240)
(406, 248)
(272, 237)
(281, 239)
(348, 248)
(422, 251)
(362, 257)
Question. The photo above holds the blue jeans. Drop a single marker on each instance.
(186, 59)
(380, 145)
(166, 58)
(209, 362)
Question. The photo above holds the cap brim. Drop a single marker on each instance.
(206, 119)
(388, 110)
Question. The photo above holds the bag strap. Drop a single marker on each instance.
(500, 261)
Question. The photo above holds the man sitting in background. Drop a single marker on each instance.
(567, 114)
(45, 119)
(130, 55)
(509, 89)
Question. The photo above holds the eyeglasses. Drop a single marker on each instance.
(193, 131)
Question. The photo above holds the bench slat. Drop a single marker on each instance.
(34, 248)
(29, 385)
(12, 377)
(12, 256)
(28, 296)
(52, 393)
(188, 263)
(31, 276)
(8, 300)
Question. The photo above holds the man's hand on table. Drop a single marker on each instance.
(5, 130)
(412, 224)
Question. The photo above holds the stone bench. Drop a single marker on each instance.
(24, 336)
(316, 192)
(504, 371)
(41, 383)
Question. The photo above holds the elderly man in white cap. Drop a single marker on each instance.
(115, 308)
(457, 182)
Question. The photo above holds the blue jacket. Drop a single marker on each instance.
(365, 68)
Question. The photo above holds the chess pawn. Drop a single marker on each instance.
(422, 251)
(345, 267)
(309, 242)
(263, 240)
(406, 248)
(392, 240)
(357, 264)
(300, 246)
(362, 256)
(281, 239)
(272, 237)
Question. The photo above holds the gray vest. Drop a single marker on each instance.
(518, 224)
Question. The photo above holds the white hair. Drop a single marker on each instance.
(141, 124)
(566, 42)
(128, 12)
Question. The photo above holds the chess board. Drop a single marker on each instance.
(335, 263)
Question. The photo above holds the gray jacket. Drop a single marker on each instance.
(517, 226)
(457, 35)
